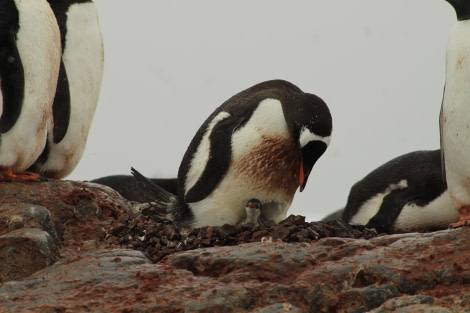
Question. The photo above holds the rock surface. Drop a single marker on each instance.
(81, 234)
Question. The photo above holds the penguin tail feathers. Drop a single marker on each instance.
(155, 194)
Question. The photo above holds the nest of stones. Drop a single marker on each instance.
(158, 237)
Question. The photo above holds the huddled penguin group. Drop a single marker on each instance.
(51, 65)
(248, 158)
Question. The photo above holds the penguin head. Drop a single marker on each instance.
(310, 125)
(462, 8)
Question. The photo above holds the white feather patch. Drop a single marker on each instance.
(307, 136)
(267, 120)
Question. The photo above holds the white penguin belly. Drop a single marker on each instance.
(437, 214)
(83, 59)
(456, 115)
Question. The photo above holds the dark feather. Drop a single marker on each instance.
(154, 192)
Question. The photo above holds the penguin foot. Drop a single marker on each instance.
(464, 218)
(7, 175)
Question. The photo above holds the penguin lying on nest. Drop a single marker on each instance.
(249, 157)
(405, 194)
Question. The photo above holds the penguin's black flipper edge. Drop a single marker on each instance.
(153, 191)
(219, 160)
(391, 207)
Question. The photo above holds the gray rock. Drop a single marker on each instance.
(25, 251)
(19, 215)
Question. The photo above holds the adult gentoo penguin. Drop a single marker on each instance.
(455, 113)
(260, 144)
(30, 52)
(78, 88)
(405, 194)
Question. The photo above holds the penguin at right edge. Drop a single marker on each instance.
(455, 114)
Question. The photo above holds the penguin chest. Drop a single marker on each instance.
(270, 174)
(455, 120)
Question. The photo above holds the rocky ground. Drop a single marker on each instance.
(80, 247)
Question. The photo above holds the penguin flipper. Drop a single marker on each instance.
(391, 207)
(152, 191)
(219, 160)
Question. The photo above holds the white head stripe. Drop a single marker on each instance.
(307, 136)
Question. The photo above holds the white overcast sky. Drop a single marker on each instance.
(379, 65)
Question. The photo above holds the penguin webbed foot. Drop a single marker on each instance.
(464, 218)
(7, 175)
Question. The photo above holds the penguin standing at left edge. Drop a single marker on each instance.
(78, 87)
(455, 113)
(247, 160)
(29, 66)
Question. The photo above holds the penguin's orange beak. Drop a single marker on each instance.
(303, 176)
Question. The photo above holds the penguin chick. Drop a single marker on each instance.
(405, 194)
(455, 110)
(30, 53)
(78, 87)
(260, 144)
(253, 212)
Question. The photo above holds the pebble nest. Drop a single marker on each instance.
(158, 237)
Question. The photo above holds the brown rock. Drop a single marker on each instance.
(79, 211)
(36, 219)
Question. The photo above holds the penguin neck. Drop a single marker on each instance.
(458, 48)
(462, 9)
